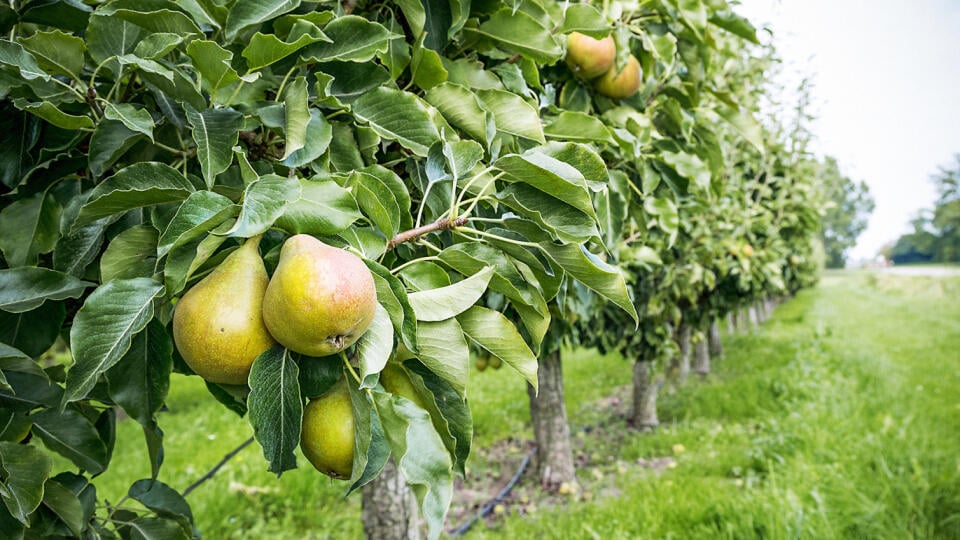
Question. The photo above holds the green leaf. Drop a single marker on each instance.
(495, 333)
(137, 120)
(66, 14)
(297, 115)
(370, 448)
(103, 330)
(216, 132)
(264, 201)
(26, 468)
(131, 254)
(109, 141)
(52, 114)
(352, 80)
(462, 109)
(56, 52)
(577, 126)
(448, 410)
(197, 215)
(517, 32)
(549, 175)
(352, 38)
(587, 268)
(160, 21)
(161, 498)
(446, 302)
(265, 49)
(420, 455)
(426, 69)
(397, 56)
(36, 220)
(512, 115)
(249, 13)
(318, 375)
(689, 166)
(392, 295)
(444, 350)
(26, 288)
(377, 201)
(398, 116)
(145, 528)
(34, 331)
(135, 186)
(562, 221)
(64, 504)
(585, 19)
(140, 380)
(14, 55)
(323, 209)
(318, 136)
(70, 434)
(745, 124)
(375, 347)
(212, 62)
(108, 36)
(158, 45)
(276, 409)
(735, 24)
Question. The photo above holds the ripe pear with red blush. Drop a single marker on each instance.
(321, 298)
(588, 58)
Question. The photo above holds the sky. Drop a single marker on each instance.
(886, 94)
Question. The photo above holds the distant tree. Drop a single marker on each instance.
(847, 217)
(936, 233)
(919, 245)
(946, 213)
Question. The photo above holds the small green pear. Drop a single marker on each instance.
(327, 435)
(320, 300)
(396, 380)
(218, 324)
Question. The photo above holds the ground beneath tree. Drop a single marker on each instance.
(491, 469)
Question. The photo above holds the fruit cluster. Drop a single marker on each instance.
(319, 301)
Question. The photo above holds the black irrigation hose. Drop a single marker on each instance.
(488, 507)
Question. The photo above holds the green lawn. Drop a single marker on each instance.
(840, 418)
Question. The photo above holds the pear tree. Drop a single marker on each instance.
(154, 148)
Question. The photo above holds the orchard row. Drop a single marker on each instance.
(324, 208)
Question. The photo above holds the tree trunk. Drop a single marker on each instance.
(548, 413)
(701, 358)
(644, 396)
(680, 366)
(389, 507)
(752, 314)
(713, 335)
(731, 325)
(743, 320)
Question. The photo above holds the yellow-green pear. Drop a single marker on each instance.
(620, 84)
(588, 58)
(396, 380)
(320, 300)
(327, 434)
(218, 324)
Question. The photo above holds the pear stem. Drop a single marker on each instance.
(353, 372)
(443, 224)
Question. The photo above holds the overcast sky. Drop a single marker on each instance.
(886, 93)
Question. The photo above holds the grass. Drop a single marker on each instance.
(840, 418)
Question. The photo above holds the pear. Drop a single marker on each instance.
(396, 380)
(320, 300)
(620, 84)
(327, 434)
(588, 58)
(218, 325)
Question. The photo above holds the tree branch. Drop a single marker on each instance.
(216, 467)
(443, 224)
